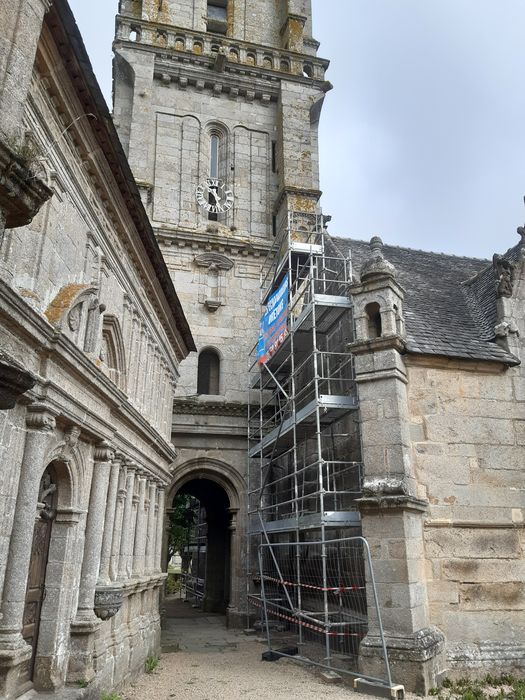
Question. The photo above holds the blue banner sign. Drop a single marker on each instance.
(274, 323)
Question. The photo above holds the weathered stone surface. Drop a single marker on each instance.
(92, 334)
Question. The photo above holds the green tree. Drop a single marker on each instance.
(183, 517)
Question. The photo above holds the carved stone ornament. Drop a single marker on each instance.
(504, 271)
(384, 486)
(216, 259)
(70, 442)
(506, 328)
(376, 265)
(46, 498)
(41, 418)
(73, 318)
(104, 452)
(108, 601)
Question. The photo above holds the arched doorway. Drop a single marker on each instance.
(204, 506)
(36, 580)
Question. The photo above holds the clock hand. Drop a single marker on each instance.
(214, 193)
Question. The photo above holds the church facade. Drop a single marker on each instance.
(217, 105)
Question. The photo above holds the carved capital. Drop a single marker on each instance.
(40, 417)
(131, 467)
(104, 452)
(118, 459)
(121, 495)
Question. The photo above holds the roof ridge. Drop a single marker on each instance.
(414, 250)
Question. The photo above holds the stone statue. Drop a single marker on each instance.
(504, 270)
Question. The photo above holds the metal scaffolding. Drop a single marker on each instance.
(304, 467)
(193, 573)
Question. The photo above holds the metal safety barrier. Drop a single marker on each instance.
(313, 604)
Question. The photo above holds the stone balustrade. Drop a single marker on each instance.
(240, 56)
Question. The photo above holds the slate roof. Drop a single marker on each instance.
(450, 301)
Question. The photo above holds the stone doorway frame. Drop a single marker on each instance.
(234, 486)
(61, 578)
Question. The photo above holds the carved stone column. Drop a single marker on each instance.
(94, 531)
(13, 649)
(160, 527)
(117, 526)
(140, 529)
(126, 542)
(150, 538)
(83, 628)
(109, 522)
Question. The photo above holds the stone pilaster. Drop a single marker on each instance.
(150, 539)
(109, 522)
(140, 529)
(391, 510)
(13, 649)
(117, 527)
(126, 541)
(159, 539)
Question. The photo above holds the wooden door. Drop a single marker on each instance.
(36, 580)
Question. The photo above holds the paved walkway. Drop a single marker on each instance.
(202, 660)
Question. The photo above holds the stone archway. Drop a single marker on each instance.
(50, 662)
(221, 490)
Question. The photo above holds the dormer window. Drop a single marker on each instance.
(217, 16)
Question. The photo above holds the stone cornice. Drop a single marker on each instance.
(217, 243)
(209, 408)
(247, 84)
(22, 193)
(298, 192)
(383, 502)
(15, 380)
(360, 347)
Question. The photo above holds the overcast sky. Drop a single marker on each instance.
(423, 136)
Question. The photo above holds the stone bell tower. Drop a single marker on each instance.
(217, 104)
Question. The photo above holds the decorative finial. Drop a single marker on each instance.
(376, 245)
(521, 230)
(375, 265)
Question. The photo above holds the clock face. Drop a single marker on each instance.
(213, 196)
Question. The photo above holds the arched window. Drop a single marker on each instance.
(217, 155)
(215, 144)
(373, 311)
(208, 373)
(112, 354)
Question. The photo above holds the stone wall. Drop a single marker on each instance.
(466, 424)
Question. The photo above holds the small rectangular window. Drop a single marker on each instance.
(217, 16)
(274, 156)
